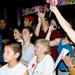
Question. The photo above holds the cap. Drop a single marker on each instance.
(30, 18)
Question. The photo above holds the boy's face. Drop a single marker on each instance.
(9, 54)
(26, 22)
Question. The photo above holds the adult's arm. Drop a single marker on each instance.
(37, 30)
(64, 24)
(54, 42)
(44, 24)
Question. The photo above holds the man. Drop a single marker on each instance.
(28, 20)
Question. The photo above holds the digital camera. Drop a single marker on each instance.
(57, 26)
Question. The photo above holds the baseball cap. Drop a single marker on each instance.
(31, 18)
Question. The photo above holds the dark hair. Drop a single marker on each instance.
(33, 38)
(16, 47)
(19, 28)
(3, 19)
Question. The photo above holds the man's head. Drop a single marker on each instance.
(3, 23)
(28, 20)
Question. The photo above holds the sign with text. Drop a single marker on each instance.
(35, 9)
(44, 8)
(61, 2)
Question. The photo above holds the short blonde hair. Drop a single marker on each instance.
(46, 44)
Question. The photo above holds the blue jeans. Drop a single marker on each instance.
(62, 73)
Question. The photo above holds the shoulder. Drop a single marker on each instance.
(48, 62)
(33, 60)
(20, 65)
(48, 59)
(3, 67)
(32, 45)
(21, 68)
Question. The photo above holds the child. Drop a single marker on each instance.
(12, 55)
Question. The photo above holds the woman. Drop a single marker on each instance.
(28, 46)
(17, 33)
(45, 26)
(64, 24)
(70, 32)
(64, 42)
(42, 63)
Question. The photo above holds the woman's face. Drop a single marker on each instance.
(26, 34)
(16, 34)
(53, 22)
(39, 49)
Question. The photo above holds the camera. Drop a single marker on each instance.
(57, 26)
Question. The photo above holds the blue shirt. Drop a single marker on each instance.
(1, 51)
(27, 55)
(62, 65)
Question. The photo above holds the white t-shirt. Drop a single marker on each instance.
(45, 67)
(19, 69)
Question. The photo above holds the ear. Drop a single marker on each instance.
(30, 23)
(17, 55)
(44, 49)
(31, 34)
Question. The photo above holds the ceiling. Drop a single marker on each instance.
(27, 3)
(21, 3)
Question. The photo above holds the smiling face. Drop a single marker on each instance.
(42, 47)
(26, 35)
(39, 49)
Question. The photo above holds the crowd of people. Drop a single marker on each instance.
(29, 51)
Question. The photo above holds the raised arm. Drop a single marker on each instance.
(64, 24)
(44, 24)
(51, 28)
(37, 30)
(52, 42)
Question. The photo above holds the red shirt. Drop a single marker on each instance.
(54, 34)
